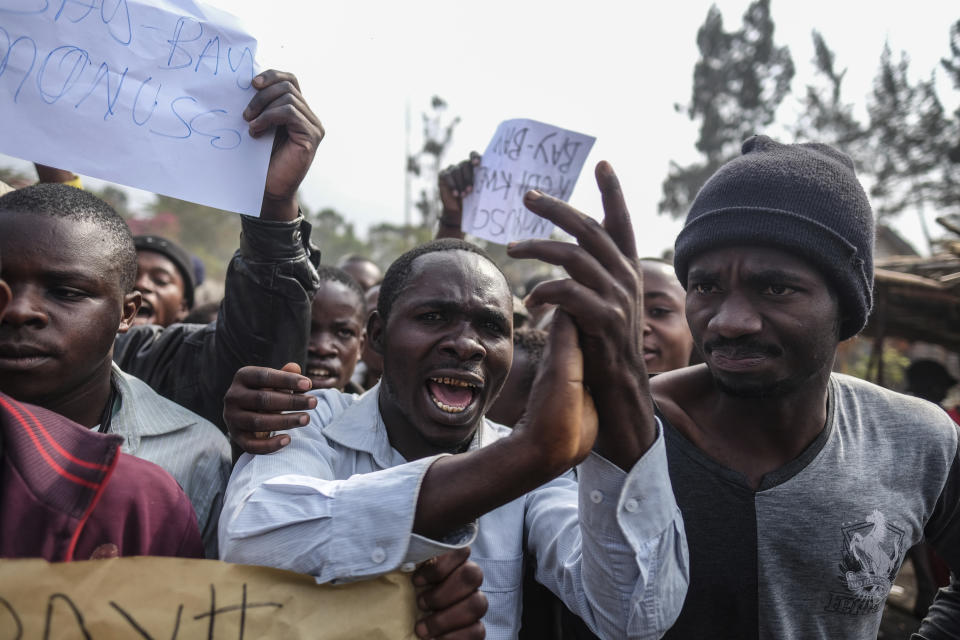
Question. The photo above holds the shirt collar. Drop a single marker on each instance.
(360, 427)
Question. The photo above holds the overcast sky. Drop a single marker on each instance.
(608, 69)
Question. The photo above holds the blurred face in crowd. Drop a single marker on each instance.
(67, 305)
(161, 285)
(336, 335)
(365, 272)
(765, 321)
(667, 343)
(446, 346)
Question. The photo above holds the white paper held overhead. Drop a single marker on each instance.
(523, 155)
(146, 93)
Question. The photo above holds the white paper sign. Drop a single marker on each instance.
(523, 155)
(147, 93)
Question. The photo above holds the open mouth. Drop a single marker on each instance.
(323, 376)
(452, 395)
(145, 312)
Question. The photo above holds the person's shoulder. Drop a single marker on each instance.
(675, 392)
(146, 498)
(157, 414)
(884, 408)
(330, 404)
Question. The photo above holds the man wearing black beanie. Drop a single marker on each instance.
(801, 490)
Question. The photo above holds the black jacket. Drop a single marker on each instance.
(264, 320)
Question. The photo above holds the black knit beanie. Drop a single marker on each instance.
(802, 198)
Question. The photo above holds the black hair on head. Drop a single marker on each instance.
(62, 201)
(328, 273)
(399, 272)
(532, 342)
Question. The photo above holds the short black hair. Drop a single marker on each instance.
(355, 257)
(532, 342)
(399, 272)
(62, 201)
(328, 273)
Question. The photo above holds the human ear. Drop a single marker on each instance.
(131, 304)
(374, 334)
(5, 296)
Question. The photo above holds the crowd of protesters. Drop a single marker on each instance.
(661, 450)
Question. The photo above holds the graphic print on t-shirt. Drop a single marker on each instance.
(871, 556)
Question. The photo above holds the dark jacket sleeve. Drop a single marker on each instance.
(264, 320)
(943, 532)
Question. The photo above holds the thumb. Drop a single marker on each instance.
(291, 367)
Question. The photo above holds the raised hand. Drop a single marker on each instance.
(256, 402)
(452, 597)
(279, 104)
(454, 183)
(604, 296)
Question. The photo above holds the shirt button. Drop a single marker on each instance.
(631, 505)
(596, 497)
(378, 555)
(407, 567)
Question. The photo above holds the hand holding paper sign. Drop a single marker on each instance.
(455, 182)
(279, 104)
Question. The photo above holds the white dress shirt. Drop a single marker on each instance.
(338, 503)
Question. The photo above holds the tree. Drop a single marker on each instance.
(908, 147)
(952, 66)
(427, 163)
(335, 236)
(825, 116)
(738, 84)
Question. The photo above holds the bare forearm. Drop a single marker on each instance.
(459, 489)
(279, 209)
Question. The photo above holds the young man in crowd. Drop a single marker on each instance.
(165, 280)
(70, 262)
(68, 493)
(265, 315)
(337, 331)
(667, 343)
(411, 469)
(528, 347)
(801, 490)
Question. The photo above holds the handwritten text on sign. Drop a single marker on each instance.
(147, 93)
(523, 155)
(154, 598)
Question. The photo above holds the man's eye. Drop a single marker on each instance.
(346, 333)
(430, 316)
(778, 290)
(705, 287)
(658, 312)
(68, 294)
(495, 327)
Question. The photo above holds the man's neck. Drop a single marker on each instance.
(403, 436)
(86, 403)
(751, 435)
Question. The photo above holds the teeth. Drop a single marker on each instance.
(319, 373)
(453, 382)
(445, 407)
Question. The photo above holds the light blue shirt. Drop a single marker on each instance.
(339, 502)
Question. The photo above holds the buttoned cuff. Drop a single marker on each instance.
(273, 240)
(639, 505)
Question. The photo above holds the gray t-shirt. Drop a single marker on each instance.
(812, 553)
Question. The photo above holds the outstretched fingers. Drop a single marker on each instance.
(262, 400)
(616, 218)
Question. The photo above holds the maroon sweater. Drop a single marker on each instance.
(67, 493)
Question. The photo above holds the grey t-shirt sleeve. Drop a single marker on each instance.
(943, 532)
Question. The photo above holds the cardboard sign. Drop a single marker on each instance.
(179, 599)
(523, 155)
(147, 93)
